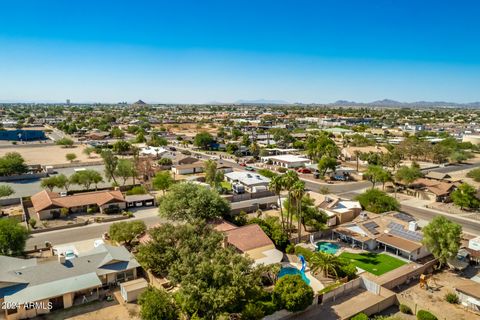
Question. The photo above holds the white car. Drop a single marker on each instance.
(69, 255)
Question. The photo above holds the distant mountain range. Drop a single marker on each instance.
(379, 103)
(393, 103)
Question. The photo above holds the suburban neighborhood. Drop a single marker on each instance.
(239, 160)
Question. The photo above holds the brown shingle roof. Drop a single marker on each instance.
(45, 199)
(437, 187)
(399, 243)
(248, 238)
(472, 290)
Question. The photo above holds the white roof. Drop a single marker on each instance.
(247, 178)
(153, 150)
(288, 158)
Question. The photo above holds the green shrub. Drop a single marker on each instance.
(452, 298)
(405, 309)
(136, 190)
(290, 248)
(252, 311)
(268, 307)
(347, 269)
(32, 222)
(360, 316)
(64, 212)
(282, 170)
(306, 253)
(425, 315)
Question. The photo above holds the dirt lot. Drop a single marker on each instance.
(191, 129)
(50, 155)
(115, 312)
(445, 282)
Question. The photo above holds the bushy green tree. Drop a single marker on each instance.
(6, 190)
(292, 293)
(162, 181)
(156, 304)
(189, 202)
(377, 201)
(12, 163)
(65, 142)
(125, 169)
(13, 237)
(203, 140)
(86, 178)
(126, 231)
(442, 237)
(465, 197)
(474, 174)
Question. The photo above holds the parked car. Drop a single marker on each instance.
(238, 188)
(316, 175)
(69, 255)
(250, 168)
(243, 164)
(304, 170)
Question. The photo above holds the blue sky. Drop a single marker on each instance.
(203, 51)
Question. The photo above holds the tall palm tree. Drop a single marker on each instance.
(357, 154)
(321, 261)
(298, 191)
(276, 186)
(289, 179)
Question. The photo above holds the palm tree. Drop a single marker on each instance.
(276, 186)
(357, 154)
(298, 191)
(289, 179)
(321, 261)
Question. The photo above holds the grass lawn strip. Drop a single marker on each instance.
(374, 263)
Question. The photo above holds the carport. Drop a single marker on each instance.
(140, 200)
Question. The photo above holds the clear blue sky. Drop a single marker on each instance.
(202, 51)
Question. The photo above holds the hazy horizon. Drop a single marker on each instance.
(191, 52)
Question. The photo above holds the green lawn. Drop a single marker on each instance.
(226, 185)
(377, 264)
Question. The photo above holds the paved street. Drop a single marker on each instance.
(95, 230)
(456, 167)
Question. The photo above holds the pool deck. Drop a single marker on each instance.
(314, 283)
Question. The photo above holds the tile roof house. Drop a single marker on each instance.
(47, 204)
(395, 232)
(337, 209)
(62, 283)
(436, 190)
(251, 241)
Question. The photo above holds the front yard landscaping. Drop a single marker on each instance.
(374, 263)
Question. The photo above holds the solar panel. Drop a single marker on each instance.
(406, 234)
(370, 224)
(404, 217)
(395, 226)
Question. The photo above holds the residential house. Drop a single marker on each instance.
(253, 182)
(469, 294)
(337, 209)
(48, 205)
(434, 190)
(394, 232)
(251, 241)
(39, 287)
(286, 161)
(156, 152)
(192, 168)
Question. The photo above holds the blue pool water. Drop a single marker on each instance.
(293, 271)
(328, 247)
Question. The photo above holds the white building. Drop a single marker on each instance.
(153, 151)
(252, 182)
(287, 161)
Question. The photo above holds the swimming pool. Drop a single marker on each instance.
(328, 247)
(293, 271)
